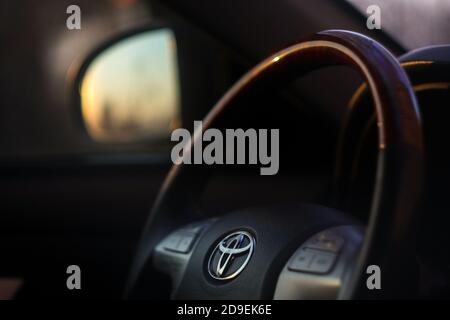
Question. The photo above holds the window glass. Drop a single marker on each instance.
(130, 92)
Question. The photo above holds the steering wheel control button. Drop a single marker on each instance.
(326, 241)
(312, 261)
(180, 242)
(185, 244)
(323, 262)
(195, 228)
(302, 260)
(171, 242)
(231, 255)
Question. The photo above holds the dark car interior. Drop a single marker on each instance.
(363, 135)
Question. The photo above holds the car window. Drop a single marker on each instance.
(130, 91)
(41, 57)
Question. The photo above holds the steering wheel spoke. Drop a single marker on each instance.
(171, 255)
(320, 267)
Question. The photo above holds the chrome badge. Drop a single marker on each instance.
(231, 255)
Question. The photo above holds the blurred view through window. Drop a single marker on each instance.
(130, 91)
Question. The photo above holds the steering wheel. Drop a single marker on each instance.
(295, 251)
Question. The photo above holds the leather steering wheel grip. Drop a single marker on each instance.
(399, 169)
